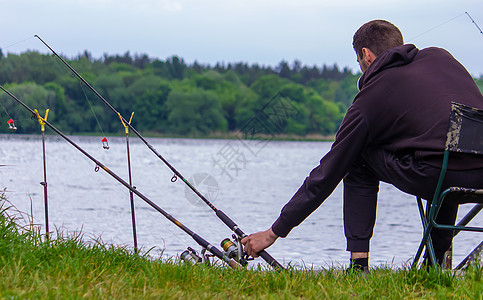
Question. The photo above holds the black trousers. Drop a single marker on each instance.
(361, 186)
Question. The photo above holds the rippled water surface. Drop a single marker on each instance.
(249, 182)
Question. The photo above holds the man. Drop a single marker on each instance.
(394, 131)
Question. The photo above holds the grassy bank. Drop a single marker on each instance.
(67, 267)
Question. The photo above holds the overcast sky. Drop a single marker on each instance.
(253, 31)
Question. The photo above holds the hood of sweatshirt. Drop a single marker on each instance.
(394, 57)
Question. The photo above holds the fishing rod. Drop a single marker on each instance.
(131, 195)
(44, 183)
(220, 214)
(472, 256)
(202, 242)
(474, 22)
(463, 222)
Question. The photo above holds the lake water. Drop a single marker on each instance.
(249, 182)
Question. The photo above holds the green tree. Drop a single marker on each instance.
(230, 90)
(159, 68)
(62, 107)
(6, 70)
(194, 113)
(325, 116)
(267, 86)
(231, 94)
(479, 83)
(106, 83)
(34, 96)
(176, 67)
(327, 88)
(284, 69)
(294, 91)
(112, 88)
(347, 90)
(148, 96)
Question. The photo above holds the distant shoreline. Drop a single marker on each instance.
(216, 136)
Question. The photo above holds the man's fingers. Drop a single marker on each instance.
(256, 242)
(248, 243)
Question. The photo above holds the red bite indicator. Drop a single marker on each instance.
(105, 144)
(11, 125)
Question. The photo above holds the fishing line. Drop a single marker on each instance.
(105, 144)
(92, 109)
(413, 38)
(16, 43)
(5, 110)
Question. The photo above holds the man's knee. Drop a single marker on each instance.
(360, 180)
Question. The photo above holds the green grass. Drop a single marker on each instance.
(68, 267)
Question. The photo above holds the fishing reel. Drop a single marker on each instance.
(191, 256)
(234, 250)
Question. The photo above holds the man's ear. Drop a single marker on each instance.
(368, 56)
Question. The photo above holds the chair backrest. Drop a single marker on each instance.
(465, 132)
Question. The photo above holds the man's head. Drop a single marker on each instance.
(373, 38)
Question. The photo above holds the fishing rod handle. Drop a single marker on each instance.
(234, 265)
(270, 260)
(232, 225)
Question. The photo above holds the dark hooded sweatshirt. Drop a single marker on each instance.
(403, 107)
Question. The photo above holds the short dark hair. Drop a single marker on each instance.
(377, 36)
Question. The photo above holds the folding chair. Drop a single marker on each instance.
(465, 135)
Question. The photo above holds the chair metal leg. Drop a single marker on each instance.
(423, 221)
(426, 241)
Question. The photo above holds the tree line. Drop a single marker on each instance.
(170, 96)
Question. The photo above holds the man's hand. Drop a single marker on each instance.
(259, 241)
